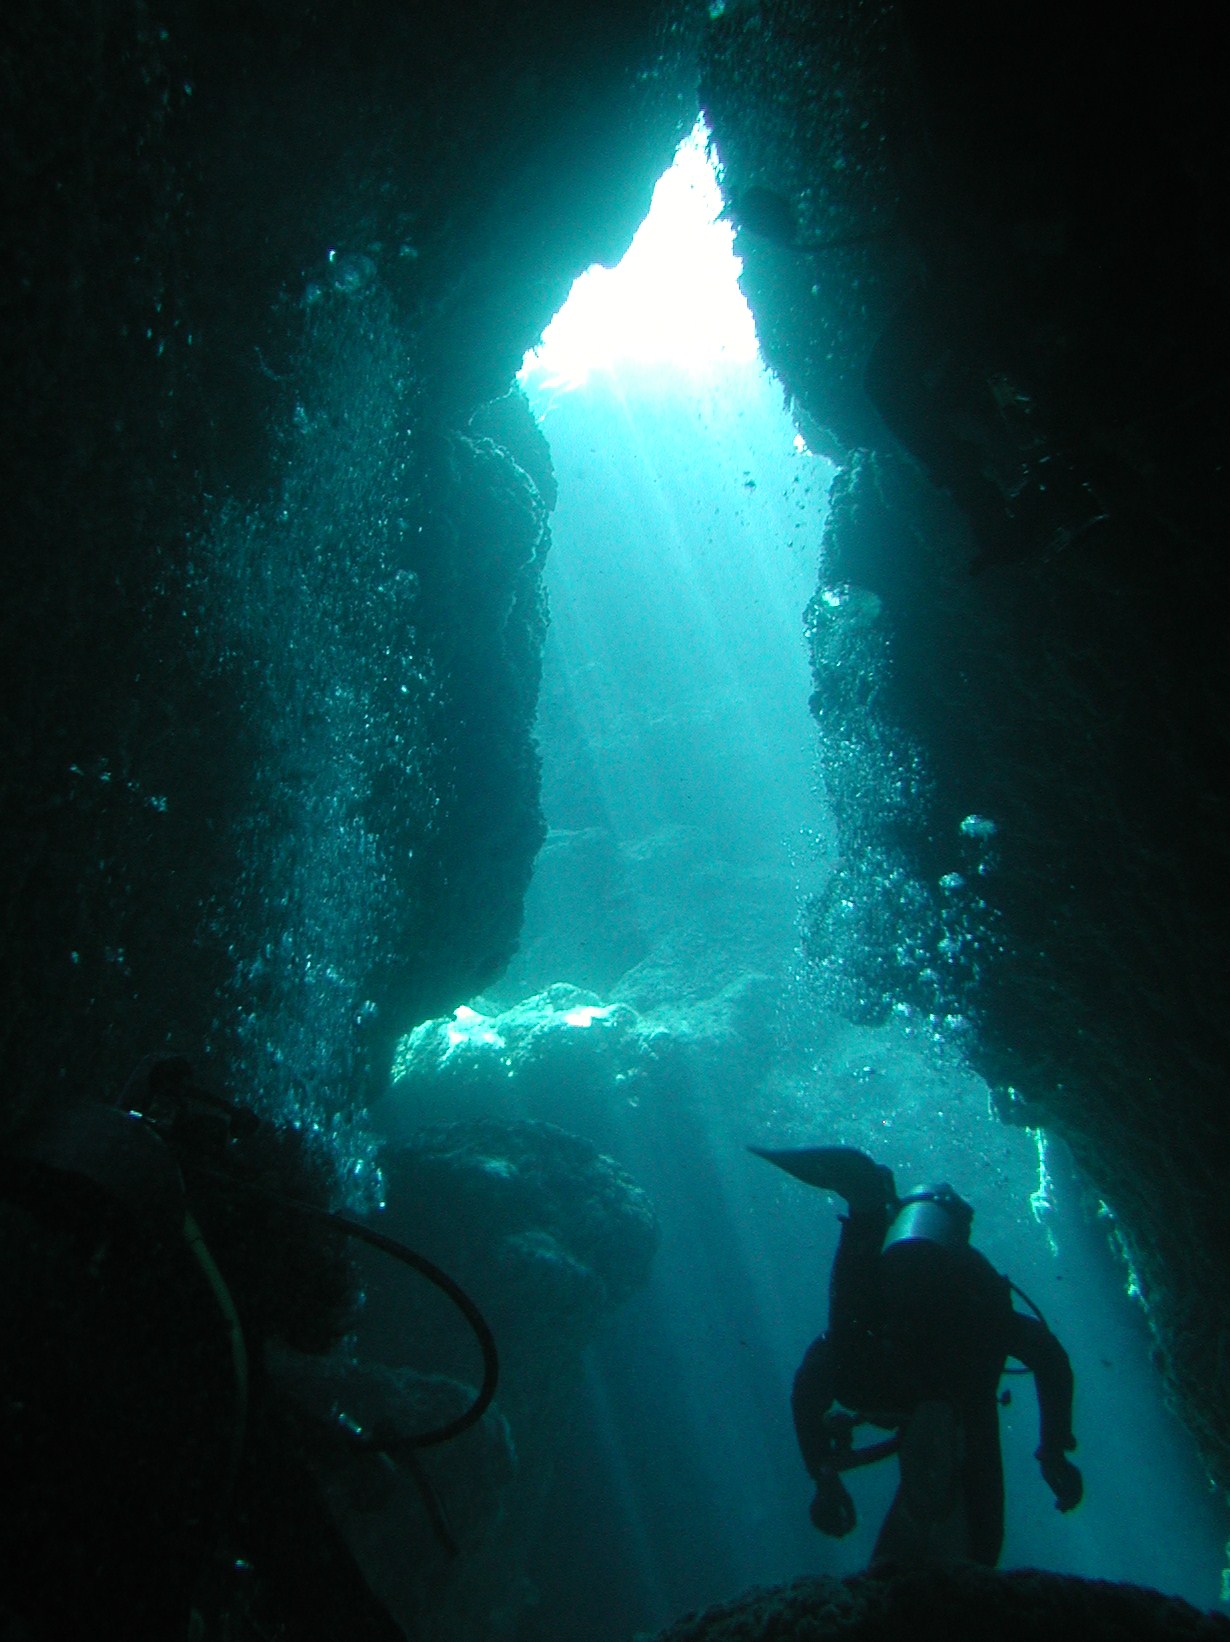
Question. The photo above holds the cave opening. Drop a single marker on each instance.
(687, 826)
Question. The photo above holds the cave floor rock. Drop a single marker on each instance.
(1020, 1605)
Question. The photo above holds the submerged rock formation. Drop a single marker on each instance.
(1014, 346)
(548, 1237)
(1024, 1606)
(550, 1056)
(271, 611)
(548, 1234)
(566, 1056)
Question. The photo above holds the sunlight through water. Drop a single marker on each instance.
(674, 298)
(688, 824)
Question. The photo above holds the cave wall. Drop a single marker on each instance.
(271, 610)
(893, 1604)
(1018, 353)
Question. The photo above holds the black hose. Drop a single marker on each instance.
(446, 1285)
(433, 1274)
(402, 1449)
(1037, 1310)
(1037, 1313)
(174, 1074)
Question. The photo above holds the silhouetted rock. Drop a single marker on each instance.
(1022, 1605)
(548, 1237)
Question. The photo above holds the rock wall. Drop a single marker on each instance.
(271, 607)
(966, 1601)
(990, 270)
(548, 1237)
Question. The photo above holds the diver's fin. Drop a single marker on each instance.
(862, 1181)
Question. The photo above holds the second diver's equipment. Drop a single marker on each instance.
(207, 1122)
(196, 1121)
(129, 1156)
(433, 1273)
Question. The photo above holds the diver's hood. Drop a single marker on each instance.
(931, 1214)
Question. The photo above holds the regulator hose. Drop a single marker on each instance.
(1036, 1309)
(447, 1286)
(426, 1268)
(491, 1367)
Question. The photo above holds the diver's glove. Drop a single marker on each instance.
(832, 1509)
(1062, 1477)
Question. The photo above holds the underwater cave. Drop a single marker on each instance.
(586, 590)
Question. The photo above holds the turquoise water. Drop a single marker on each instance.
(680, 755)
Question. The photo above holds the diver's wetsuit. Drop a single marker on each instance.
(918, 1323)
(119, 1511)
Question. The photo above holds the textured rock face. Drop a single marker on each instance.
(548, 1237)
(547, 1057)
(550, 1234)
(271, 607)
(570, 1057)
(967, 1601)
(1017, 661)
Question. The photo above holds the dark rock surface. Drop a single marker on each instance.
(548, 1237)
(547, 1233)
(1022, 1606)
(382, 1508)
(270, 610)
(1024, 582)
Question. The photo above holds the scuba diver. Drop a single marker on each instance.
(920, 1326)
(159, 1258)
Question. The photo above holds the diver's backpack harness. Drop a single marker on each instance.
(127, 1158)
